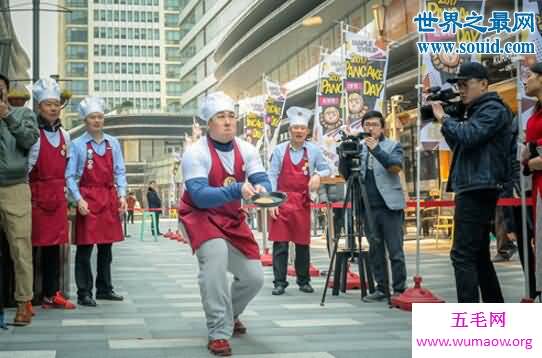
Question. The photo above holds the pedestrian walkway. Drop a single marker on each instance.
(162, 317)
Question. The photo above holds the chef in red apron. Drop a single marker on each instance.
(47, 161)
(219, 170)
(96, 180)
(296, 168)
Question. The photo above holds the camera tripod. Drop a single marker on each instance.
(356, 196)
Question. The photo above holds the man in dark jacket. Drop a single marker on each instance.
(480, 167)
(18, 132)
(155, 205)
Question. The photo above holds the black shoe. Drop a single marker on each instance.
(376, 296)
(512, 251)
(279, 290)
(307, 288)
(500, 258)
(111, 296)
(86, 301)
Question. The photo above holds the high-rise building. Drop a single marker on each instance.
(123, 50)
(203, 23)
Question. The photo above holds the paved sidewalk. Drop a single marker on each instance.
(162, 315)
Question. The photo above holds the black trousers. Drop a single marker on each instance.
(471, 258)
(518, 229)
(155, 223)
(83, 270)
(388, 225)
(280, 263)
(130, 217)
(505, 246)
(50, 268)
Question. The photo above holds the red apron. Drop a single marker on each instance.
(294, 219)
(227, 221)
(49, 203)
(102, 224)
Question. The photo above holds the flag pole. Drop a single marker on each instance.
(417, 294)
(266, 259)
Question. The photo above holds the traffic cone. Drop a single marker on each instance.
(291, 271)
(168, 234)
(266, 258)
(352, 281)
(417, 294)
(313, 271)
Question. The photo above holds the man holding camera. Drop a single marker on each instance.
(481, 165)
(296, 168)
(381, 162)
(18, 132)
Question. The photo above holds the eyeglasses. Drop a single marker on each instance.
(372, 125)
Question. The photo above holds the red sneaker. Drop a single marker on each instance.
(30, 308)
(219, 347)
(239, 328)
(57, 301)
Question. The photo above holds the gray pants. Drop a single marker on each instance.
(223, 303)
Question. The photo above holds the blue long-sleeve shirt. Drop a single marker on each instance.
(196, 166)
(78, 159)
(317, 162)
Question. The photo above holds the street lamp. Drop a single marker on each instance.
(312, 21)
(379, 13)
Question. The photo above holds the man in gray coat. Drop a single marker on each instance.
(381, 162)
(18, 132)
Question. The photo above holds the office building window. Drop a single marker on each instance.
(173, 71)
(78, 87)
(77, 52)
(172, 54)
(77, 35)
(172, 37)
(77, 3)
(77, 69)
(172, 20)
(173, 89)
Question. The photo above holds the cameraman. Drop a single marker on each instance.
(381, 162)
(481, 165)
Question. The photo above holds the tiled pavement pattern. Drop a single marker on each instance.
(162, 316)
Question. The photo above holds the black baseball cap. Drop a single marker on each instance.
(5, 79)
(537, 68)
(470, 70)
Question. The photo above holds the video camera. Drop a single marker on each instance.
(452, 108)
(349, 148)
(350, 144)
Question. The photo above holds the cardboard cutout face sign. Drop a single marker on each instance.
(331, 118)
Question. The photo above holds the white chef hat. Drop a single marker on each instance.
(91, 105)
(299, 116)
(44, 89)
(213, 103)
